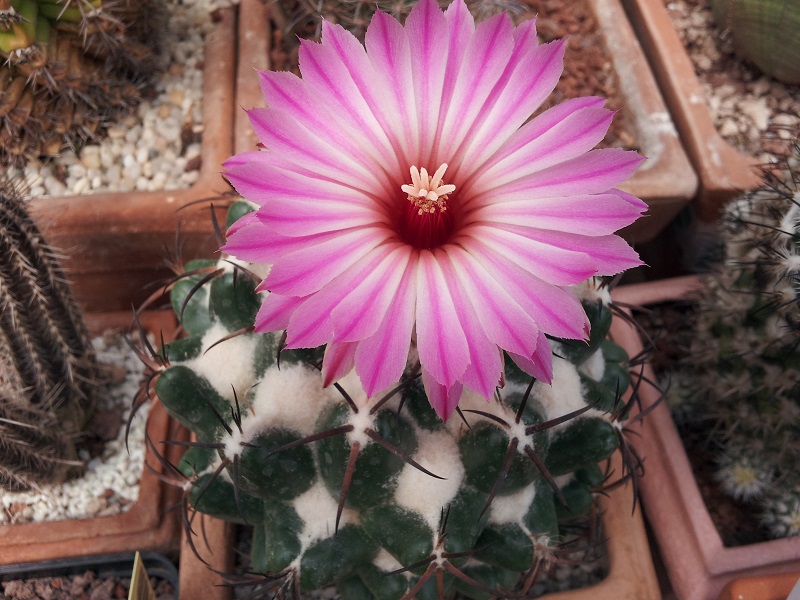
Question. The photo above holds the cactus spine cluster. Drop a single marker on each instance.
(740, 378)
(765, 33)
(46, 361)
(67, 68)
(378, 496)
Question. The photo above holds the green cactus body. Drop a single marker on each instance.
(764, 33)
(355, 504)
(741, 373)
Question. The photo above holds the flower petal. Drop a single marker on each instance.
(540, 363)
(360, 313)
(337, 362)
(592, 214)
(275, 311)
(443, 398)
(312, 266)
(443, 348)
(381, 358)
(549, 263)
(503, 320)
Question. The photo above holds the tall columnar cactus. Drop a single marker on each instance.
(46, 360)
(68, 68)
(764, 33)
(741, 375)
(378, 496)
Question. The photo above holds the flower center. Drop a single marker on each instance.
(425, 222)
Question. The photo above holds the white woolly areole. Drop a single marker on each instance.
(438, 452)
(317, 509)
(506, 509)
(565, 395)
(386, 562)
(290, 397)
(471, 400)
(594, 366)
(592, 290)
(227, 364)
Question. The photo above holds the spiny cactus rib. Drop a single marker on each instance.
(68, 68)
(741, 371)
(48, 372)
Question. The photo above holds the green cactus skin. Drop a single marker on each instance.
(344, 492)
(47, 368)
(764, 33)
(740, 378)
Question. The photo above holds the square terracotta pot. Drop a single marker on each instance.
(723, 170)
(666, 181)
(631, 575)
(697, 562)
(99, 232)
(149, 524)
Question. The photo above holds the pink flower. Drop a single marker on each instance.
(404, 196)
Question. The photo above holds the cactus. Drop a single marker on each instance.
(68, 68)
(378, 496)
(765, 33)
(741, 372)
(47, 365)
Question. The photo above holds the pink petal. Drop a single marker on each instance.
(443, 348)
(361, 312)
(611, 253)
(381, 358)
(557, 312)
(443, 399)
(275, 311)
(541, 143)
(555, 265)
(595, 214)
(595, 172)
(337, 362)
(312, 266)
(503, 320)
(311, 324)
(389, 51)
(483, 64)
(540, 363)
(426, 25)
(531, 76)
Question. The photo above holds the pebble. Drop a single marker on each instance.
(122, 161)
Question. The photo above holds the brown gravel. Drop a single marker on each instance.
(86, 586)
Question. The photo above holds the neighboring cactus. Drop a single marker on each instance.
(344, 490)
(741, 373)
(46, 361)
(67, 69)
(764, 33)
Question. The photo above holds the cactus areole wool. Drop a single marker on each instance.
(476, 259)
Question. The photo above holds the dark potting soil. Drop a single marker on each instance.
(669, 326)
(588, 68)
(86, 586)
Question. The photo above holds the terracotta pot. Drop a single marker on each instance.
(149, 524)
(631, 575)
(697, 562)
(723, 170)
(99, 232)
(766, 587)
(666, 181)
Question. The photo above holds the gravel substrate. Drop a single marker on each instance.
(87, 586)
(156, 148)
(752, 112)
(110, 484)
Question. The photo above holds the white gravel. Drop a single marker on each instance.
(158, 147)
(752, 112)
(110, 484)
